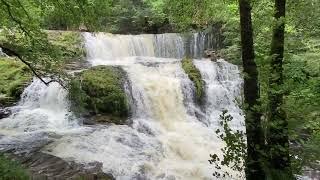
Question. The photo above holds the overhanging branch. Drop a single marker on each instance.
(11, 52)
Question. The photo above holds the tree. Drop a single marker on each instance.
(21, 36)
(254, 132)
(277, 136)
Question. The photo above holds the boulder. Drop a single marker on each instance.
(4, 113)
(213, 55)
(100, 92)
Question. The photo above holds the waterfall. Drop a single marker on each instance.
(117, 47)
(171, 45)
(41, 108)
(223, 89)
(199, 42)
(165, 140)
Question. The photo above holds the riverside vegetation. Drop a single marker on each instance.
(15, 75)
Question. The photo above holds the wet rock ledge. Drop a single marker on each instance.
(27, 152)
(42, 166)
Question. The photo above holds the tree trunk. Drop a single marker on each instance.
(277, 136)
(255, 137)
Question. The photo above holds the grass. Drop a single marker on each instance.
(11, 170)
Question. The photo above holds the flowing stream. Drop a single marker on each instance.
(166, 139)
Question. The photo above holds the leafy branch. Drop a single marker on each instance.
(234, 153)
(11, 52)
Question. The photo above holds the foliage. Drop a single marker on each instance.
(14, 76)
(67, 48)
(22, 36)
(234, 153)
(99, 90)
(195, 76)
(117, 16)
(69, 44)
(68, 15)
(20, 30)
(199, 14)
(11, 170)
(302, 102)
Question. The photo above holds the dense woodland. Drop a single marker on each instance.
(276, 43)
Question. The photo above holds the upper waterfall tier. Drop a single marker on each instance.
(102, 46)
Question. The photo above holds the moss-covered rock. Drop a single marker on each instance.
(14, 77)
(99, 91)
(195, 76)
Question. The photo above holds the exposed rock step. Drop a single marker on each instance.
(42, 166)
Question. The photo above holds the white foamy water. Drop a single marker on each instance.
(41, 108)
(102, 47)
(165, 140)
(223, 90)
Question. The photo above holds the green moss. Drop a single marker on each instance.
(70, 44)
(99, 91)
(12, 170)
(14, 76)
(195, 76)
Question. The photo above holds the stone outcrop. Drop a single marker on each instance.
(98, 94)
(213, 55)
(41, 165)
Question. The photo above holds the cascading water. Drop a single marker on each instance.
(199, 42)
(223, 89)
(41, 115)
(42, 108)
(165, 140)
(110, 47)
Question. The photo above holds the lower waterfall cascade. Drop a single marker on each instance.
(166, 139)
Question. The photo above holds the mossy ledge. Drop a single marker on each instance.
(70, 44)
(14, 77)
(195, 76)
(99, 93)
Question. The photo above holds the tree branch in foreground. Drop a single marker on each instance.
(11, 52)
